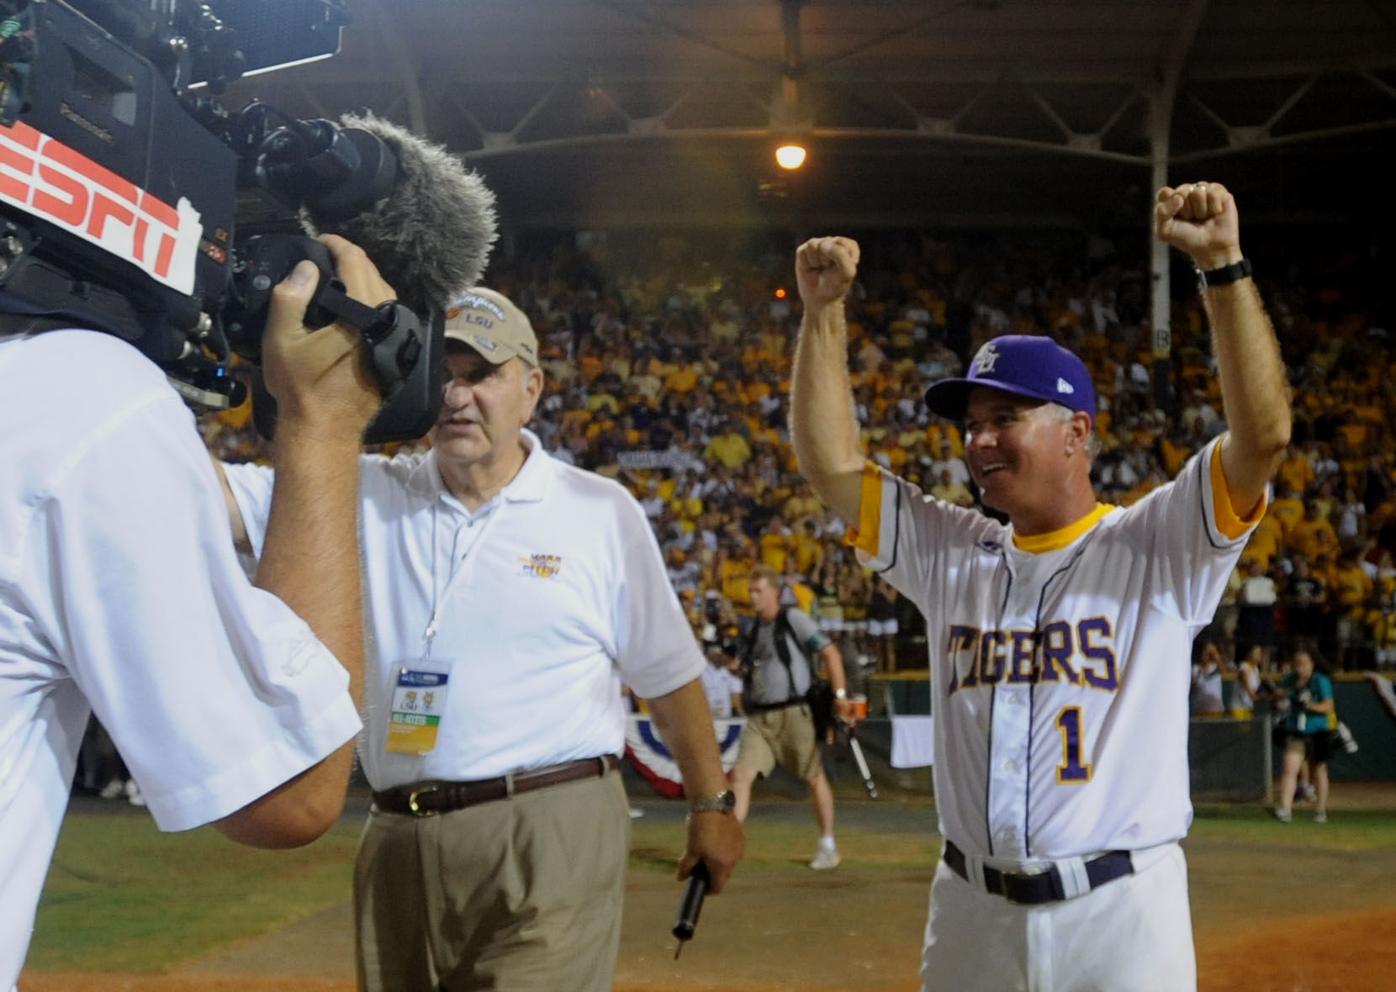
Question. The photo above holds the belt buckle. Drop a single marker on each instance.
(412, 806)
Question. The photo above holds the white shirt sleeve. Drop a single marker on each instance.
(214, 691)
(656, 650)
(1193, 535)
(252, 485)
(906, 536)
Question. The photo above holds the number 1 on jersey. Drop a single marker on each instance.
(1071, 771)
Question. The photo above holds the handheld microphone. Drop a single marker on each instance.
(691, 906)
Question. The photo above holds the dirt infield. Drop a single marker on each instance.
(1336, 952)
(1349, 952)
(1305, 910)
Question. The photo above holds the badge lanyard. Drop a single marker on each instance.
(419, 698)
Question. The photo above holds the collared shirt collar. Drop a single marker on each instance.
(529, 484)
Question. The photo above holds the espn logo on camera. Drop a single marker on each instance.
(47, 179)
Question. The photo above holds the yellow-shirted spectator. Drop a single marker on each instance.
(687, 508)
(804, 595)
(776, 544)
(1381, 627)
(734, 576)
(910, 437)
(1314, 535)
(1266, 539)
(938, 430)
(755, 390)
(1352, 588)
(1287, 508)
(809, 549)
(802, 503)
(729, 448)
(683, 379)
(603, 401)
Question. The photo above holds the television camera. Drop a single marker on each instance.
(120, 172)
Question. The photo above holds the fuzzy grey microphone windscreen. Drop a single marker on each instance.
(431, 236)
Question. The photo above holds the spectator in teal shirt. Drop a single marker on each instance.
(1307, 733)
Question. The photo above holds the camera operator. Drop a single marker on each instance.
(120, 592)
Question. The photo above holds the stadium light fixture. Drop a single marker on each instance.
(791, 155)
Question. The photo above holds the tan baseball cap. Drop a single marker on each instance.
(493, 326)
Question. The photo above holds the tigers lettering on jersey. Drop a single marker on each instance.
(49, 180)
(1080, 654)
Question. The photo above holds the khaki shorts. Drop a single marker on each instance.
(782, 737)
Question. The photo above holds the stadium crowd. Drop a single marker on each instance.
(668, 367)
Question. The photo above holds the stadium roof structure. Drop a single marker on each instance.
(950, 112)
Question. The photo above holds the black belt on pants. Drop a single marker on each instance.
(1035, 889)
(768, 707)
(431, 798)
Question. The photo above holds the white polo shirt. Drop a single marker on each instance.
(548, 597)
(120, 592)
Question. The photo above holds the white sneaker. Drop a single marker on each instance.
(112, 789)
(1283, 815)
(1320, 817)
(825, 858)
(636, 812)
(133, 794)
(1307, 793)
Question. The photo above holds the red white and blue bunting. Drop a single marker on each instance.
(654, 762)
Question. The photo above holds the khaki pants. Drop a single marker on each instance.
(522, 894)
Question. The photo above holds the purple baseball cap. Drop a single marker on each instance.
(1024, 365)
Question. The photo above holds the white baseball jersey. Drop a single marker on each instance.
(1060, 662)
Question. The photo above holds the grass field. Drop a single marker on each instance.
(127, 907)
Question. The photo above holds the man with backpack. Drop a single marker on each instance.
(780, 694)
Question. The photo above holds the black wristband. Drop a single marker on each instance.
(1225, 275)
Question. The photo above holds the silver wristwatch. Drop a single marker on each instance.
(721, 802)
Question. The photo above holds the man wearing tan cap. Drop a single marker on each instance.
(508, 597)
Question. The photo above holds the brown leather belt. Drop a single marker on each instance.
(430, 798)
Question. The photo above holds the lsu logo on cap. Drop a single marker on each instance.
(541, 566)
(985, 359)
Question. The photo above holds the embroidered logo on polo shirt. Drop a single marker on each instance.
(541, 566)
